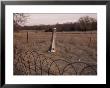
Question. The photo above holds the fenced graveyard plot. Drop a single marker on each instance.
(76, 53)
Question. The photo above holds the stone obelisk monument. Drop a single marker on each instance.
(53, 40)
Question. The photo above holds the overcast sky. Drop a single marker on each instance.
(37, 19)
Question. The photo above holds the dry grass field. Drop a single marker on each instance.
(76, 53)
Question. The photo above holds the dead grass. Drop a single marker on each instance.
(33, 57)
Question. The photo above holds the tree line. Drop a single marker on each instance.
(85, 23)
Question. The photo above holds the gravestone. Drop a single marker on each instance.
(53, 40)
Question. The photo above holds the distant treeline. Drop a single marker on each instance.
(83, 24)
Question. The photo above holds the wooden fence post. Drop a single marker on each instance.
(27, 37)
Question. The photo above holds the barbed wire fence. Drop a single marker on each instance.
(31, 62)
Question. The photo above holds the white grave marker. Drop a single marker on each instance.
(53, 40)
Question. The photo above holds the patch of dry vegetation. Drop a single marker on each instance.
(74, 52)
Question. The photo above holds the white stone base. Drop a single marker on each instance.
(52, 51)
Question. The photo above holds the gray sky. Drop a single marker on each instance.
(37, 19)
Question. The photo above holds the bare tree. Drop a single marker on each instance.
(87, 23)
(19, 19)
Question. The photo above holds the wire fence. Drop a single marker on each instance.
(31, 62)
